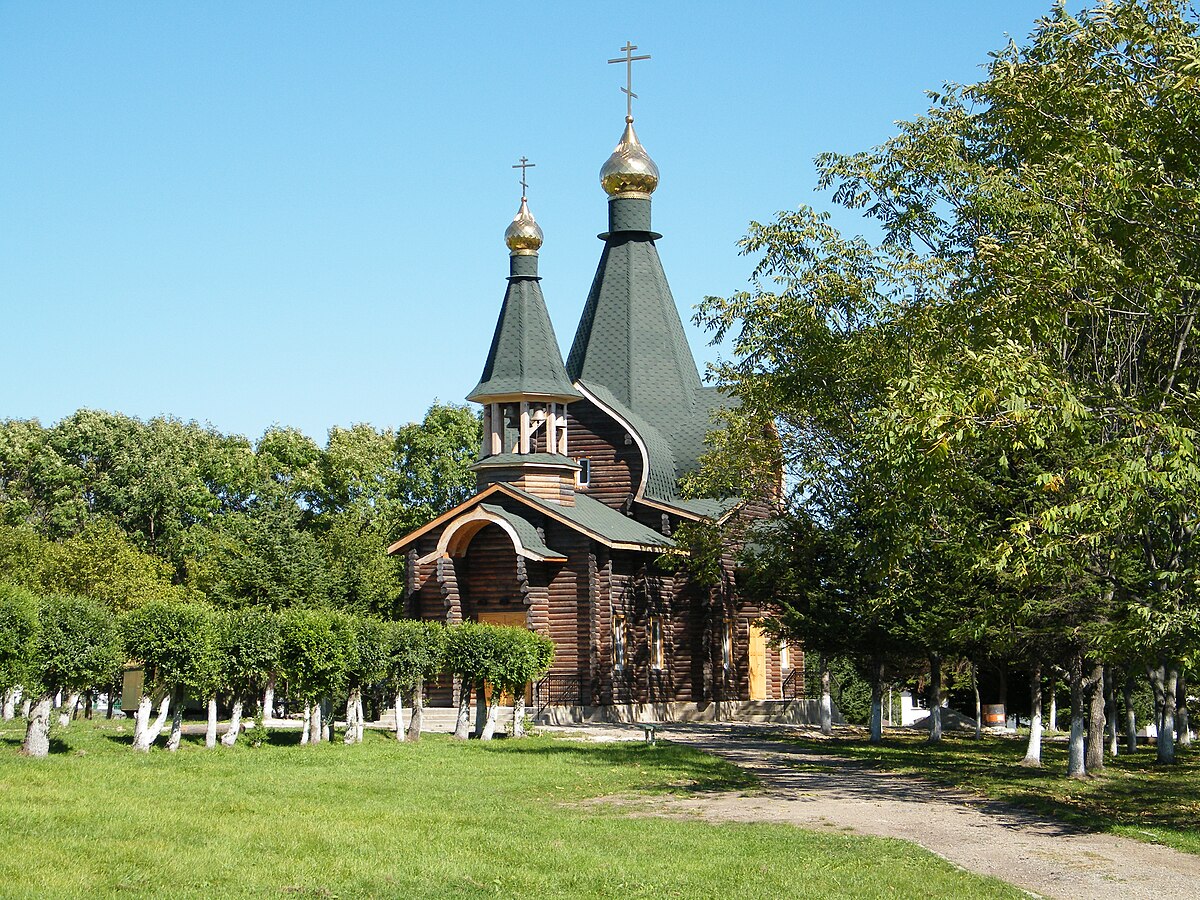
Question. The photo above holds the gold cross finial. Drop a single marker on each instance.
(523, 165)
(629, 59)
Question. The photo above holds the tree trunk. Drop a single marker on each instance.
(481, 708)
(210, 733)
(518, 726)
(462, 728)
(315, 727)
(826, 698)
(268, 702)
(328, 719)
(1033, 752)
(176, 735)
(351, 717)
(493, 712)
(37, 732)
(1095, 726)
(1157, 675)
(10, 703)
(978, 705)
(306, 725)
(935, 698)
(360, 720)
(229, 738)
(1110, 712)
(68, 709)
(153, 729)
(399, 715)
(88, 700)
(1130, 717)
(114, 691)
(1053, 724)
(1181, 711)
(877, 703)
(141, 719)
(1076, 759)
(1166, 734)
(418, 712)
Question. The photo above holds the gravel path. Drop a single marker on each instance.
(816, 790)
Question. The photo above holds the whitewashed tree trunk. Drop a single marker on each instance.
(176, 736)
(360, 720)
(1181, 712)
(1076, 760)
(935, 698)
(400, 715)
(10, 703)
(493, 712)
(306, 725)
(826, 698)
(317, 734)
(978, 704)
(1033, 752)
(518, 726)
(268, 701)
(418, 712)
(351, 735)
(1130, 716)
(1052, 725)
(26, 706)
(68, 710)
(141, 719)
(229, 738)
(877, 705)
(462, 727)
(1166, 734)
(37, 732)
(1110, 713)
(327, 718)
(210, 733)
(153, 729)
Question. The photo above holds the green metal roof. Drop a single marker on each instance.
(530, 539)
(524, 357)
(592, 515)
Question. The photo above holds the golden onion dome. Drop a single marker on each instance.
(523, 235)
(629, 170)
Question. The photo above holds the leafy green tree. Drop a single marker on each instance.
(416, 652)
(75, 649)
(366, 664)
(432, 466)
(523, 656)
(18, 634)
(313, 659)
(471, 657)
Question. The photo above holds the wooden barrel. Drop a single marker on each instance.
(993, 714)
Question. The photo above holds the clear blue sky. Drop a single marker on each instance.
(292, 213)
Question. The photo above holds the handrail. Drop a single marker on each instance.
(793, 685)
(557, 690)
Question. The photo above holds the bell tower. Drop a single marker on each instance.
(524, 388)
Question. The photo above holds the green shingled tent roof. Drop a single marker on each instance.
(524, 357)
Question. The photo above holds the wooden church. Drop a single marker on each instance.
(579, 496)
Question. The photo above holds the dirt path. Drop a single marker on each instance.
(815, 790)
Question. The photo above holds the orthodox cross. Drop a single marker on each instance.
(523, 165)
(629, 59)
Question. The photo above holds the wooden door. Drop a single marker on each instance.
(515, 618)
(758, 664)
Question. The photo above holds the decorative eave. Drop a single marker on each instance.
(526, 461)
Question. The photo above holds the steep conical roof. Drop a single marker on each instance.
(524, 359)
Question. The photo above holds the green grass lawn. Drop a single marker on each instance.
(436, 819)
(1134, 796)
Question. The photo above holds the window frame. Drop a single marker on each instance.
(655, 639)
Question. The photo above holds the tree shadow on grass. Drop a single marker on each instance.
(57, 745)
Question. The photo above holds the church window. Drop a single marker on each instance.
(618, 637)
(784, 656)
(656, 642)
(727, 644)
(585, 472)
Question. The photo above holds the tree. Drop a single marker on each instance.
(76, 648)
(312, 657)
(175, 647)
(249, 652)
(416, 652)
(18, 636)
(470, 655)
(366, 664)
(522, 656)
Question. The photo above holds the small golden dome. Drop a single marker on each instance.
(629, 170)
(524, 235)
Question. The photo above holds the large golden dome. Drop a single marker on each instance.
(629, 170)
(523, 235)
